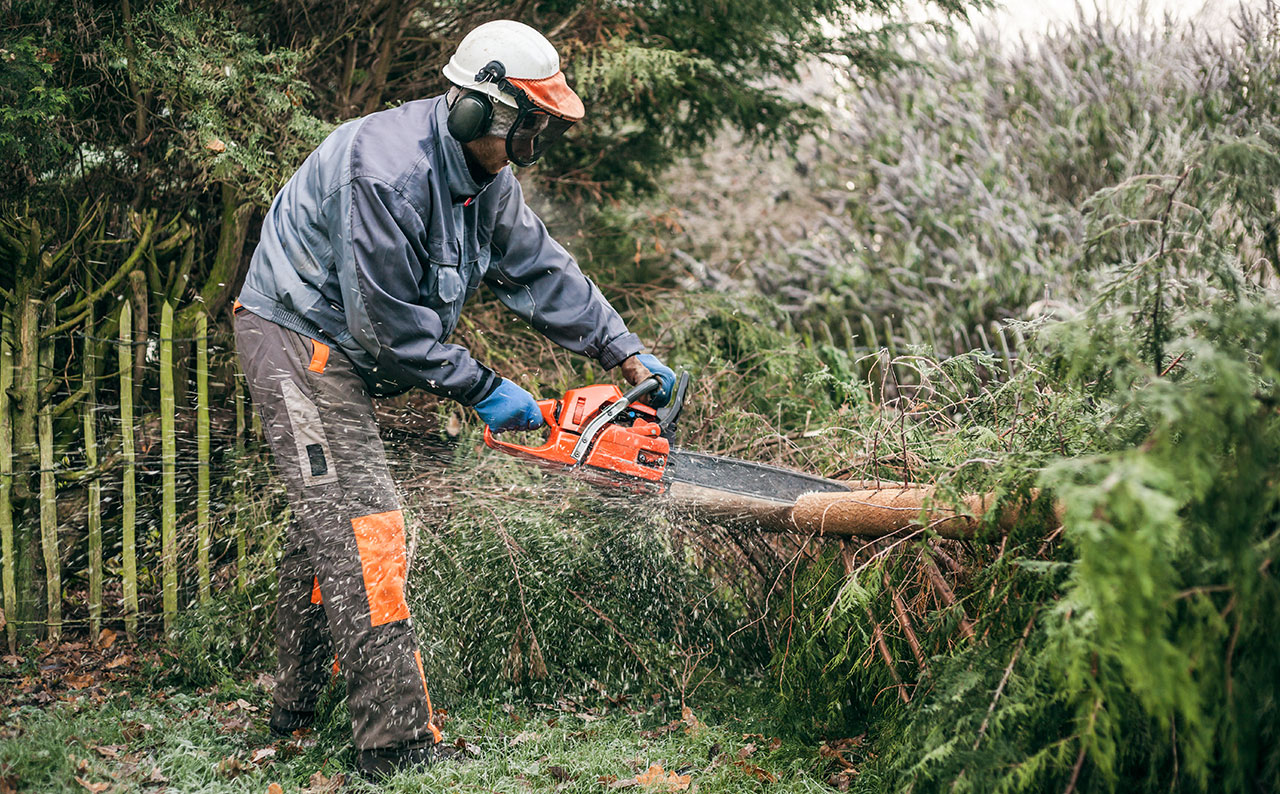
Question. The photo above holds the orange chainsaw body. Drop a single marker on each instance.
(632, 445)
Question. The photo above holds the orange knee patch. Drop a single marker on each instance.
(380, 539)
(315, 591)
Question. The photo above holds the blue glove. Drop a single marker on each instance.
(509, 407)
(666, 380)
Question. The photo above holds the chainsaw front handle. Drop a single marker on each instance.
(548, 409)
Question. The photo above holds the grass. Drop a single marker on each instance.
(131, 735)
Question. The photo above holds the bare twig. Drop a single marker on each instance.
(1004, 679)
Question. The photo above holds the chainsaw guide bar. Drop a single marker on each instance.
(613, 439)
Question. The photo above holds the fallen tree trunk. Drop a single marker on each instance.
(868, 509)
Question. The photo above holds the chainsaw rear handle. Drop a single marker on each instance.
(548, 409)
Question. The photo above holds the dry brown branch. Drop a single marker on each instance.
(945, 593)
(883, 647)
(904, 621)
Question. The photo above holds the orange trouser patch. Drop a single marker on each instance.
(319, 356)
(315, 591)
(380, 539)
(431, 722)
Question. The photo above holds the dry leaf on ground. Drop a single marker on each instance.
(658, 779)
(687, 715)
(263, 754)
(324, 785)
(756, 772)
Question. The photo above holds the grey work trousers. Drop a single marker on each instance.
(342, 573)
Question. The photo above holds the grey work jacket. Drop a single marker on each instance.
(382, 235)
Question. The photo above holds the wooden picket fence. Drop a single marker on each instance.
(122, 467)
(878, 350)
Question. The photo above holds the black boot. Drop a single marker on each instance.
(285, 721)
(384, 762)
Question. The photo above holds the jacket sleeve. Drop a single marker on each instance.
(382, 238)
(537, 279)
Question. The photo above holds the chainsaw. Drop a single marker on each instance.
(613, 439)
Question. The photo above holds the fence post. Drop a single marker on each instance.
(1004, 348)
(202, 453)
(95, 482)
(242, 575)
(128, 490)
(49, 496)
(6, 483)
(168, 475)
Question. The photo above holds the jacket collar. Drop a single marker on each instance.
(456, 173)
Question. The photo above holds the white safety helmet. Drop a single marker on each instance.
(531, 65)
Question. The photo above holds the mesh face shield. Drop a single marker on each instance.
(533, 131)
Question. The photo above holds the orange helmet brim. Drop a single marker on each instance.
(553, 95)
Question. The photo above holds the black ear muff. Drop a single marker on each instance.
(470, 116)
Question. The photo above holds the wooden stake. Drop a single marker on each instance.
(6, 485)
(242, 573)
(49, 502)
(95, 483)
(202, 453)
(128, 492)
(168, 472)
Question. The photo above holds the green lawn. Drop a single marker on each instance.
(105, 731)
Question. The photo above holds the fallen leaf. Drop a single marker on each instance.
(747, 751)
(324, 785)
(230, 767)
(216, 146)
(263, 754)
(626, 782)
(661, 780)
(560, 774)
(111, 751)
(78, 681)
(119, 661)
(96, 788)
(8, 784)
(524, 736)
(687, 716)
(275, 788)
(756, 772)
(11, 660)
(156, 777)
(775, 744)
(105, 638)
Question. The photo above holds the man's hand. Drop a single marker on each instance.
(509, 407)
(639, 367)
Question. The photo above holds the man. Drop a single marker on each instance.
(366, 258)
